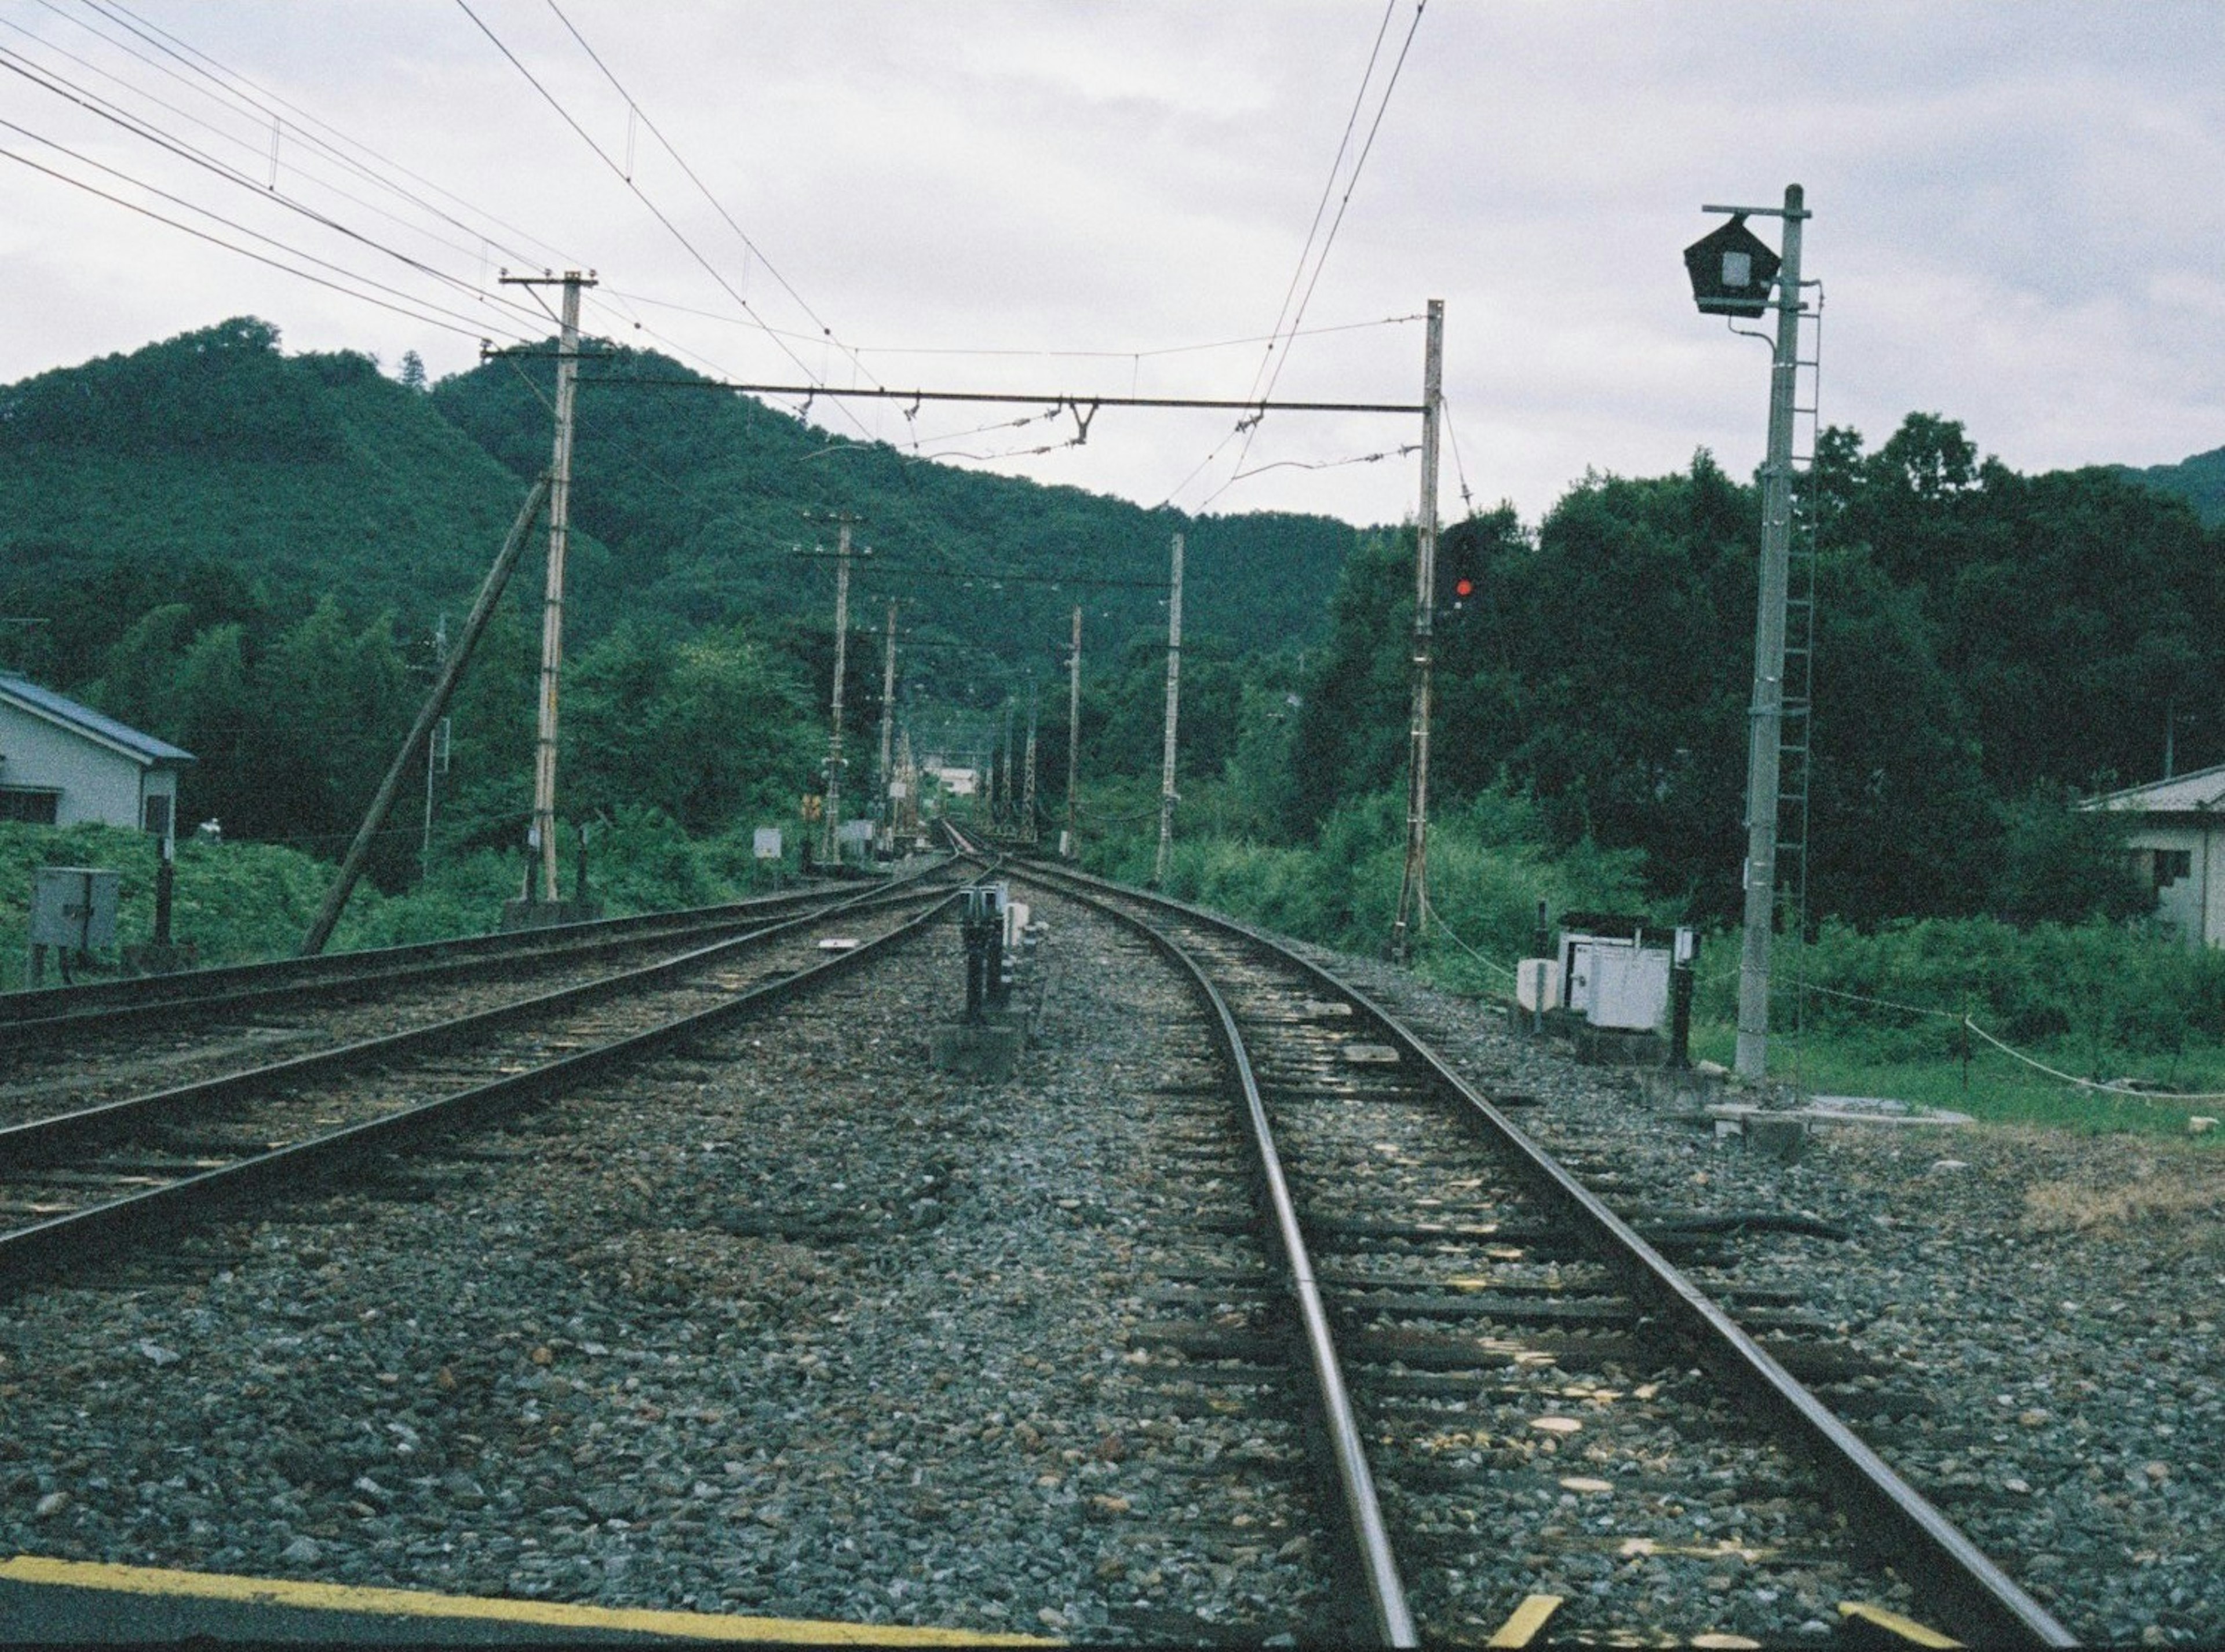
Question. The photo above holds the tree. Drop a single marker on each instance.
(413, 371)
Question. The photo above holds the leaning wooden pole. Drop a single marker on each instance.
(436, 703)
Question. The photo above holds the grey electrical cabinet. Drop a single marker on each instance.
(73, 907)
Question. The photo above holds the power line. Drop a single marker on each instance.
(619, 172)
(717, 206)
(92, 103)
(1351, 183)
(210, 68)
(230, 246)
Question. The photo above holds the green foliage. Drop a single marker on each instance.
(2062, 865)
(1977, 633)
(2084, 990)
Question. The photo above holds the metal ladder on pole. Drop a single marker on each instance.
(1795, 731)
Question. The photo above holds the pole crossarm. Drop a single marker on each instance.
(1020, 398)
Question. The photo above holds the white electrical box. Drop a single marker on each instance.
(73, 907)
(1537, 984)
(1630, 987)
(765, 843)
(1612, 976)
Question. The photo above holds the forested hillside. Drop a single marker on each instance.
(2200, 481)
(709, 495)
(249, 554)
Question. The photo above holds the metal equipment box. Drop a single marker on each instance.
(74, 906)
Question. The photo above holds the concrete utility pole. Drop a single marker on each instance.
(1003, 811)
(543, 830)
(1414, 881)
(1174, 712)
(828, 850)
(881, 810)
(1069, 845)
(1767, 715)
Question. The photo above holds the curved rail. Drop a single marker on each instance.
(1391, 1618)
(1976, 1597)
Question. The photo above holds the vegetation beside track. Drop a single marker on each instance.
(241, 902)
(2098, 999)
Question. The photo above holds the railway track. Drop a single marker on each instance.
(123, 1172)
(1527, 1415)
(304, 994)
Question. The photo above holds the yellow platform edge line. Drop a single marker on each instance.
(412, 1603)
(1893, 1622)
(1528, 1618)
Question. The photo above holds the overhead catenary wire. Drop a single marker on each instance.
(633, 106)
(308, 125)
(1321, 260)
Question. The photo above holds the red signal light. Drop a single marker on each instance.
(1464, 588)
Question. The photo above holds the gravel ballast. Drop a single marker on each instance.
(796, 1325)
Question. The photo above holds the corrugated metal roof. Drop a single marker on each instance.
(2181, 795)
(145, 747)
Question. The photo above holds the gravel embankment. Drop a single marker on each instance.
(799, 1327)
(2052, 1299)
(796, 1327)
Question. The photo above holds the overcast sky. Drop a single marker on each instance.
(2019, 213)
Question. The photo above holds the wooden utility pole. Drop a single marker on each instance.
(1414, 883)
(328, 915)
(542, 834)
(881, 809)
(1068, 844)
(1174, 712)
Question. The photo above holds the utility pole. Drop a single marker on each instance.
(436, 749)
(1767, 716)
(543, 830)
(1068, 844)
(1414, 881)
(1002, 814)
(828, 851)
(1174, 711)
(1028, 771)
(881, 810)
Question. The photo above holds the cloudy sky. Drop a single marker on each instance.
(2019, 212)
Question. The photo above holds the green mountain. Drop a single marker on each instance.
(211, 465)
(709, 498)
(2200, 481)
(212, 458)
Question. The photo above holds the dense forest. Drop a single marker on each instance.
(250, 553)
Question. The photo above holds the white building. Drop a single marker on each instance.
(61, 763)
(2178, 848)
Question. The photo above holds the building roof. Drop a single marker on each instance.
(144, 748)
(2197, 793)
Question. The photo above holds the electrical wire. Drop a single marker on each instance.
(92, 103)
(634, 106)
(1468, 499)
(641, 195)
(209, 67)
(217, 240)
(1328, 242)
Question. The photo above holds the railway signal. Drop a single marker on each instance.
(1732, 272)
